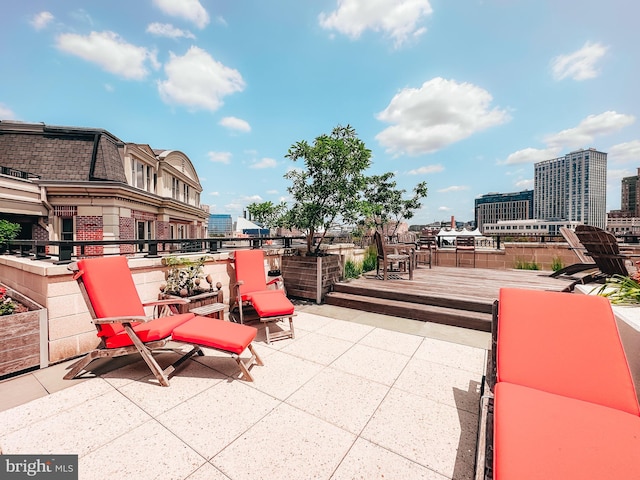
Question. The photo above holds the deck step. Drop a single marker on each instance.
(416, 311)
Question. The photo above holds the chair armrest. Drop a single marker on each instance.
(135, 318)
(166, 301)
(275, 280)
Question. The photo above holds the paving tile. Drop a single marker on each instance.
(286, 444)
(207, 472)
(344, 330)
(284, 374)
(340, 398)
(441, 383)
(45, 407)
(225, 364)
(79, 429)
(188, 382)
(214, 418)
(368, 461)
(318, 348)
(372, 363)
(437, 436)
(391, 341)
(148, 451)
(452, 354)
(20, 391)
(310, 322)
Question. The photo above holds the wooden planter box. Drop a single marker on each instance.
(311, 277)
(199, 300)
(23, 337)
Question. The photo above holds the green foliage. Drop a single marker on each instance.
(352, 269)
(329, 187)
(620, 289)
(525, 265)
(267, 213)
(7, 306)
(385, 204)
(556, 264)
(185, 276)
(370, 260)
(8, 231)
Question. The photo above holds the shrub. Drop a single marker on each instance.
(370, 261)
(525, 265)
(556, 264)
(352, 269)
(8, 231)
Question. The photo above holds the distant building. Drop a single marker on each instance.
(492, 207)
(573, 187)
(630, 195)
(531, 227)
(220, 224)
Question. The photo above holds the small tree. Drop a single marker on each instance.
(8, 231)
(329, 188)
(385, 203)
(267, 213)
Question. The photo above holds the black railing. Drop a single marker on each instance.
(12, 172)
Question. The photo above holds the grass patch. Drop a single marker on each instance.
(525, 265)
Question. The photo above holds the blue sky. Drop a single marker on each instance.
(466, 95)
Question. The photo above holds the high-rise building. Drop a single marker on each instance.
(220, 224)
(573, 187)
(492, 207)
(630, 195)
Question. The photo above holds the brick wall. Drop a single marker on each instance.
(127, 232)
(90, 228)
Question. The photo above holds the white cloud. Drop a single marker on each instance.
(426, 170)
(41, 20)
(220, 157)
(525, 184)
(234, 123)
(197, 80)
(264, 163)
(109, 51)
(531, 155)
(625, 152)
(6, 113)
(168, 30)
(397, 19)
(444, 209)
(214, 194)
(435, 115)
(588, 129)
(453, 188)
(190, 10)
(579, 65)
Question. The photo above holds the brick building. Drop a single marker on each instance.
(69, 183)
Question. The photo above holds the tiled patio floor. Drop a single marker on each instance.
(369, 397)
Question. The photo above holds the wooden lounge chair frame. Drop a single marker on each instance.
(465, 244)
(390, 254)
(585, 262)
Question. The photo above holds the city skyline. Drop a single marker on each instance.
(467, 96)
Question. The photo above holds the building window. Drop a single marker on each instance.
(175, 190)
(144, 231)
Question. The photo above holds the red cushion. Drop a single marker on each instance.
(563, 343)
(271, 303)
(250, 269)
(111, 290)
(209, 332)
(156, 329)
(543, 436)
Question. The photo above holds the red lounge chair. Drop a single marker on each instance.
(252, 288)
(124, 328)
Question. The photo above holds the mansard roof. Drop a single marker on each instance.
(61, 153)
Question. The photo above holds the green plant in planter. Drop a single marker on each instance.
(185, 277)
(329, 188)
(621, 290)
(8, 232)
(7, 305)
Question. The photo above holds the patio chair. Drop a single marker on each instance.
(427, 249)
(390, 254)
(252, 288)
(603, 248)
(465, 244)
(124, 328)
(585, 262)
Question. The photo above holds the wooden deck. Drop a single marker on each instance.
(454, 296)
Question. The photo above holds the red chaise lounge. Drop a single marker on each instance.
(124, 328)
(564, 402)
